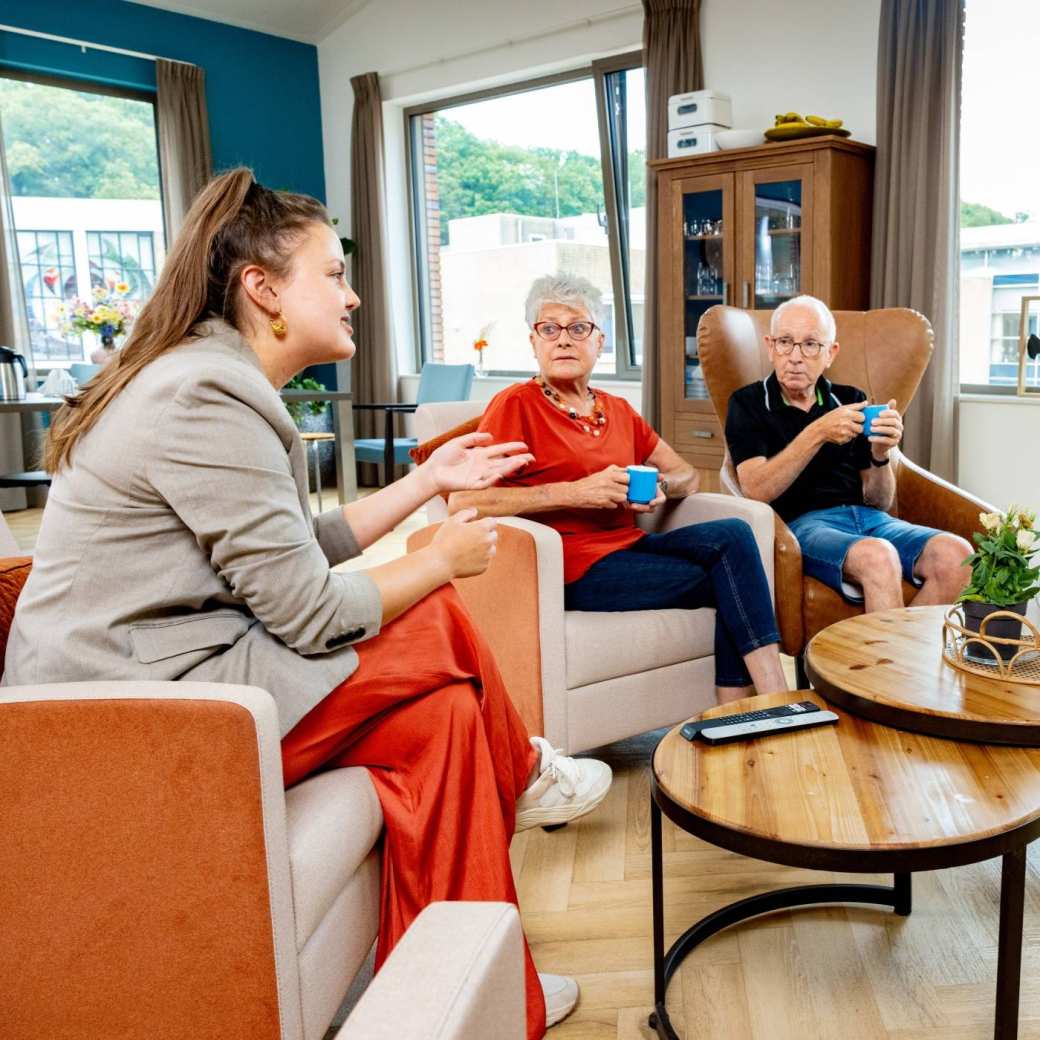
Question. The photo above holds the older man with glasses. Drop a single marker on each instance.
(797, 441)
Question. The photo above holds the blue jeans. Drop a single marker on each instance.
(714, 564)
(825, 537)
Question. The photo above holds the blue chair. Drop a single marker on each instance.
(436, 383)
(82, 372)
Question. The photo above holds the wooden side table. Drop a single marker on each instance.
(888, 667)
(858, 798)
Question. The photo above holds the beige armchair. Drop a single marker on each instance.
(586, 679)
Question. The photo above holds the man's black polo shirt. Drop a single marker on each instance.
(761, 423)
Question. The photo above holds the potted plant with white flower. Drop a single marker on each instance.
(1003, 577)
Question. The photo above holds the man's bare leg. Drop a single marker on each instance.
(873, 565)
(942, 569)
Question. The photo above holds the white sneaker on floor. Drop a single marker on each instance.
(561, 994)
(566, 788)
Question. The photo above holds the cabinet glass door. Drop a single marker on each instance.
(779, 231)
(705, 271)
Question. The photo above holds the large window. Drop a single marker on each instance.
(545, 177)
(1000, 192)
(84, 178)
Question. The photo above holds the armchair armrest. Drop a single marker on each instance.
(787, 563)
(924, 498)
(517, 604)
(457, 973)
(128, 804)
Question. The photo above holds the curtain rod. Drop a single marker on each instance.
(581, 23)
(84, 44)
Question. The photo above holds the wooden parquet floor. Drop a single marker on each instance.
(816, 974)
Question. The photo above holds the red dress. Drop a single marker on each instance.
(564, 452)
(427, 713)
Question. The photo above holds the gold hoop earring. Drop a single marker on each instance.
(278, 326)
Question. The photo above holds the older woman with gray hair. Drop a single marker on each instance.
(582, 439)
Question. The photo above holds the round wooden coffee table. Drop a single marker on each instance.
(854, 797)
(888, 667)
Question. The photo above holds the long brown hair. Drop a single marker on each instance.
(232, 223)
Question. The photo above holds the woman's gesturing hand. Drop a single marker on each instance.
(471, 463)
(606, 489)
(466, 545)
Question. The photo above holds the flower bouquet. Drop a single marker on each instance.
(1003, 577)
(107, 315)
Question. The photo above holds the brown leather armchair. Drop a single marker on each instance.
(885, 353)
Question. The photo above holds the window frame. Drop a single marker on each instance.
(599, 72)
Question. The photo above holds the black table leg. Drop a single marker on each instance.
(659, 1018)
(904, 901)
(388, 449)
(1009, 949)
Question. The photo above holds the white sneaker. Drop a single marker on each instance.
(566, 788)
(561, 994)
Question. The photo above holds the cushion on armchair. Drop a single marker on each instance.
(14, 572)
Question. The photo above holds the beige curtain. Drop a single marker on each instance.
(185, 159)
(374, 368)
(14, 333)
(917, 201)
(672, 52)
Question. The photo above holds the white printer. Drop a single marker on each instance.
(694, 118)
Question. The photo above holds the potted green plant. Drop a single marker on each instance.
(1003, 577)
(297, 409)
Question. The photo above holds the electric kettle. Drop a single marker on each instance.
(13, 375)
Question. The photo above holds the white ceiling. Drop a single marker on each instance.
(306, 20)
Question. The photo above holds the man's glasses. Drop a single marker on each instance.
(810, 347)
(577, 330)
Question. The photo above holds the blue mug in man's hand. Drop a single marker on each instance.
(870, 413)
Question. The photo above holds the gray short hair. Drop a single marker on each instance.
(830, 330)
(567, 289)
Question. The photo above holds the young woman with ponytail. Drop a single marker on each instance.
(178, 543)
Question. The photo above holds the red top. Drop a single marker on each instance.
(564, 452)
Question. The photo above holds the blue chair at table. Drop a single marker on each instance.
(436, 383)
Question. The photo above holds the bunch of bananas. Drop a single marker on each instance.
(794, 119)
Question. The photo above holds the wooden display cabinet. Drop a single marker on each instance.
(751, 228)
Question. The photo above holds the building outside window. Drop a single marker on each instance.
(537, 179)
(1000, 194)
(84, 181)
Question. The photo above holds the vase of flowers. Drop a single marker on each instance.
(107, 315)
(1003, 579)
(480, 344)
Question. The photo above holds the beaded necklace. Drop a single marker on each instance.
(587, 423)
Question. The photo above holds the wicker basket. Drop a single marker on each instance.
(1023, 665)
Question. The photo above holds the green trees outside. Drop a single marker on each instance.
(476, 176)
(71, 144)
(975, 214)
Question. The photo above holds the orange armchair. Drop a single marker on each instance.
(885, 353)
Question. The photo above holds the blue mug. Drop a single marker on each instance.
(870, 413)
(642, 484)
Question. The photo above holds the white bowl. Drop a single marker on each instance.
(727, 139)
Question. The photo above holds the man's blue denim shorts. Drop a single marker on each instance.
(827, 535)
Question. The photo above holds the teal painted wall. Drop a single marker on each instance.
(261, 90)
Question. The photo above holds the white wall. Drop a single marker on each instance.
(999, 444)
(805, 55)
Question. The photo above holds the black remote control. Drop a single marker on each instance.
(757, 723)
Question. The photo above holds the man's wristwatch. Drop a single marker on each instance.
(878, 462)
(664, 486)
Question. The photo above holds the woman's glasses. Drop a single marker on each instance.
(577, 330)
